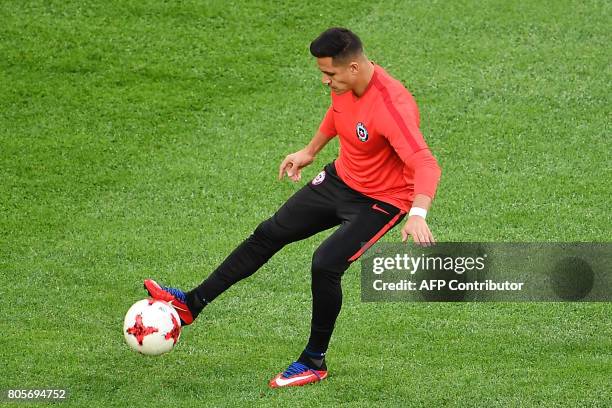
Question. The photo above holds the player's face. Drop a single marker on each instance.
(340, 78)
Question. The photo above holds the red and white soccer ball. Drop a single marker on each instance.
(151, 327)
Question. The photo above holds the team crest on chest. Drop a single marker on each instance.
(362, 132)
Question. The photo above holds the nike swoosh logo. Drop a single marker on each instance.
(335, 110)
(281, 381)
(377, 208)
(177, 307)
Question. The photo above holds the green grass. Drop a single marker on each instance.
(142, 139)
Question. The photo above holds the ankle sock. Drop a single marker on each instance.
(194, 303)
(313, 360)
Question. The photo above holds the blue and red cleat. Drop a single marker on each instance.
(176, 297)
(297, 374)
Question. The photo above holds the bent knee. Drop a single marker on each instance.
(327, 264)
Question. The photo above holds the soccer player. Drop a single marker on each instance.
(384, 170)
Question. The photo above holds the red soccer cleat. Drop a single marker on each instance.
(176, 297)
(297, 374)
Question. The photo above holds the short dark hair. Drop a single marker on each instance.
(338, 43)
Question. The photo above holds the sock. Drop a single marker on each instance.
(194, 303)
(313, 360)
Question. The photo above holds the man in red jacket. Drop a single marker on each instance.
(384, 170)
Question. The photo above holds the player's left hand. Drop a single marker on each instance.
(417, 227)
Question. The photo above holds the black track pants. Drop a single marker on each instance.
(323, 203)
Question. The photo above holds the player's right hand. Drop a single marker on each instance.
(293, 165)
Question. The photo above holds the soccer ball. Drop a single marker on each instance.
(151, 327)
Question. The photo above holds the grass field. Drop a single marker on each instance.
(142, 139)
